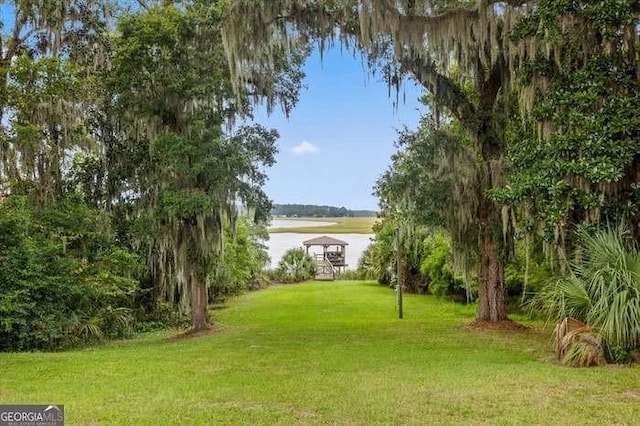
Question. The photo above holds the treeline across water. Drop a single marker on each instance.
(311, 210)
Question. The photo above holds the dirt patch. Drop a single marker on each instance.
(631, 394)
(499, 325)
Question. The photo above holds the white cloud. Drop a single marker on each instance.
(304, 148)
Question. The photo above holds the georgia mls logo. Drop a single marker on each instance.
(31, 415)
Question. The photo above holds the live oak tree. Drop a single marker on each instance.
(459, 51)
(50, 55)
(174, 105)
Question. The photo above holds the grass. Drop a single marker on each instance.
(326, 353)
(343, 225)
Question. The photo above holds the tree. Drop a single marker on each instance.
(174, 101)
(49, 58)
(574, 155)
(433, 182)
(445, 45)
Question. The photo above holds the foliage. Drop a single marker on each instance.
(603, 290)
(48, 88)
(121, 124)
(174, 99)
(63, 280)
(437, 266)
(433, 183)
(367, 264)
(425, 257)
(574, 154)
(379, 259)
(295, 266)
(527, 272)
(243, 260)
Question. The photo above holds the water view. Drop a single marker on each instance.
(279, 243)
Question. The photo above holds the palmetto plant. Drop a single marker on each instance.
(296, 265)
(602, 290)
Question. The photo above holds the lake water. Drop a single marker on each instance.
(279, 243)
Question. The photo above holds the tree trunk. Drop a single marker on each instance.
(490, 247)
(198, 293)
(492, 300)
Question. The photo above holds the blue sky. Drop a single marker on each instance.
(339, 138)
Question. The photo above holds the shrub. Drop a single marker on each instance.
(602, 290)
(62, 279)
(350, 274)
(295, 266)
(437, 266)
(242, 262)
(376, 263)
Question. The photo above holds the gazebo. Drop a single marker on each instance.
(333, 251)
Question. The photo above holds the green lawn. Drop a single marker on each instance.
(326, 353)
(343, 225)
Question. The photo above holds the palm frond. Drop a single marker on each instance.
(584, 350)
(602, 291)
(566, 297)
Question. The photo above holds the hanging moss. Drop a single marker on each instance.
(472, 36)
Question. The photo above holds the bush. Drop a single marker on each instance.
(350, 274)
(295, 266)
(242, 262)
(437, 266)
(602, 290)
(62, 280)
(376, 264)
(158, 316)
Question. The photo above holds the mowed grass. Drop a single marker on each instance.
(343, 225)
(326, 353)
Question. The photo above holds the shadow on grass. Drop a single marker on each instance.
(210, 330)
(496, 325)
(218, 307)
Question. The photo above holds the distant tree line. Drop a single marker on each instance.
(310, 210)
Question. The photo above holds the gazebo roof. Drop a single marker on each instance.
(325, 241)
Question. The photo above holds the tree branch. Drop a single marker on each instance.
(471, 13)
(15, 41)
(445, 90)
